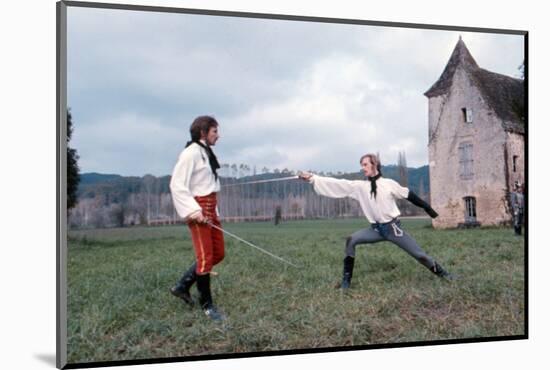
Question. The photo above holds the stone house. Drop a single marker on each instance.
(476, 142)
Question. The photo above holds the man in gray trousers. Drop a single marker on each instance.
(377, 198)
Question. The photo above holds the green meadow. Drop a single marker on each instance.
(120, 308)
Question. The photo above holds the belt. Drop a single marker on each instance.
(384, 229)
(376, 224)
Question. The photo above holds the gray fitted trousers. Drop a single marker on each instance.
(391, 232)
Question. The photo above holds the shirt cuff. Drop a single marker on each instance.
(192, 213)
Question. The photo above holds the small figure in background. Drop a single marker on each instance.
(278, 215)
(517, 202)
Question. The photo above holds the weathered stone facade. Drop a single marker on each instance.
(476, 151)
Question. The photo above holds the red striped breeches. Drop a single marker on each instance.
(207, 241)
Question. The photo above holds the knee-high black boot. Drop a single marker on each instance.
(181, 289)
(441, 272)
(348, 272)
(205, 298)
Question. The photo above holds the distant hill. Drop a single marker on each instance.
(115, 188)
(94, 178)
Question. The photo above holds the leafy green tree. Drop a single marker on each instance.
(73, 172)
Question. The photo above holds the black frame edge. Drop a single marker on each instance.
(288, 17)
(291, 352)
(61, 176)
(526, 181)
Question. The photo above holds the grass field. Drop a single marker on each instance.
(119, 306)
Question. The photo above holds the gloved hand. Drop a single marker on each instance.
(414, 199)
(430, 211)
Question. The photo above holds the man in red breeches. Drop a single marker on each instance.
(207, 241)
(194, 185)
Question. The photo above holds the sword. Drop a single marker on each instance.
(252, 245)
(262, 181)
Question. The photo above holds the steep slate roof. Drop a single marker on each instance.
(504, 94)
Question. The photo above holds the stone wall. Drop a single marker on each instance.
(515, 147)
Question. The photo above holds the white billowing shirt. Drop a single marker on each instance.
(380, 209)
(191, 177)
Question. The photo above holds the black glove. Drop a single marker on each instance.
(414, 199)
(430, 211)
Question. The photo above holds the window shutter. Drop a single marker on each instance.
(466, 160)
(469, 116)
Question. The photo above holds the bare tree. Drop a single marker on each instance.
(148, 182)
(402, 169)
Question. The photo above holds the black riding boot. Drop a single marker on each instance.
(205, 298)
(181, 289)
(441, 272)
(348, 272)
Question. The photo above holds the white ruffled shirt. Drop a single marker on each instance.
(380, 209)
(192, 177)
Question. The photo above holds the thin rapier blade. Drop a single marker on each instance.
(252, 245)
(261, 181)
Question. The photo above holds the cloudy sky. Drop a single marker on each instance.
(296, 95)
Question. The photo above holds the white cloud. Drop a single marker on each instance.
(335, 105)
(128, 144)
(287, 94)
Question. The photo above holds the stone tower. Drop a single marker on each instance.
(476, 142)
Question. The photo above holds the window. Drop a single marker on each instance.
(466, 160)
(470, 209)
(514, 163)
(467, 115)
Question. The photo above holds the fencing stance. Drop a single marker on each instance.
(194, 185)
(377, 198)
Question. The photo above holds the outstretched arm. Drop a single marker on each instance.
(417, 201)
(330, 187)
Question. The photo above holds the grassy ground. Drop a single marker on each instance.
(119, 306)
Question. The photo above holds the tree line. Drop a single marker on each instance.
(116, 201)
